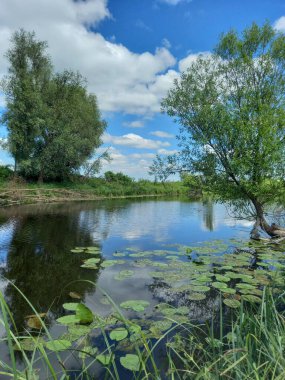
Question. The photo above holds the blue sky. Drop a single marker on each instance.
(130, 51)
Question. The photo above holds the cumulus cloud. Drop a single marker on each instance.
(184, 63)
(123, 80)
(280, 24)
(167, 152)
(134, 141)
(162, 134)
(135, 165)
(134, 124)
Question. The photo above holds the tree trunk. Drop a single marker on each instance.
(274, 230)
(41, 177)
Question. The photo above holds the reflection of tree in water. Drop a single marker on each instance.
(39, 261)
(208, 214)
(41, 265)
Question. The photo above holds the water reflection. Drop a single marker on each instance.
(35, 243)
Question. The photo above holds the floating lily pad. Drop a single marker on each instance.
(222, 278)
(245, 286)
(136, 305)
(130, 362)
(250, 298)
(58, 345)
(231, 303)
(201, 288)
(29, 344)
(219, 285)
(196, 296)
(109, 263)
(88, 351)
(71, 306)
(104, 359)
(119, 333)
(122, 275)
(68, 319)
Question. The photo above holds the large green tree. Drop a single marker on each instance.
(54, 124)
(231, 109)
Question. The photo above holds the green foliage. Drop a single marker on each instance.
(54, 124)
(5, 172)
(231, 109)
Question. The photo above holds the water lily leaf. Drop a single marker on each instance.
(221, 278)
(104, 359)
(109, 263)
(71, 306)
(89, 266)
(84, 314)
(227, 291)
(130, 362)
(104, 301)
(119, 254)
(201, 288)
(250, 298)
(231, 303)
(92, 261)
(58, 345)
(29, 344)
(68, 319)
(219, 285)
(136, 305)
(34, 321)
(119, 333)
(76, 250)
(196, 296)
(245, 286)
(124, 274)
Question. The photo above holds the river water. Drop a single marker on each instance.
(36, 240)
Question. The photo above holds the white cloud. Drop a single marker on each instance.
(280, 24)
(187, 61)
(122, 80)
(134, 124)
(166, 43)
(162, 134)
(135, 165)
(134, 141)
(174, 2)
(167, 152)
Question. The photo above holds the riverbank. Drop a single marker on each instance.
(17, 193)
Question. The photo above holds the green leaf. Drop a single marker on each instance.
(104, 359)
(231, 303)
(118, 334)
(84, 314)
(130, 362)
(71, 306)
(136, 305)
(58, 345)
(68, 319)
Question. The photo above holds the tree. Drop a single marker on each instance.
(54, 124)
(28, 76)
(231, 109)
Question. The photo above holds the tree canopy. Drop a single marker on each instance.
(54, 124)
(231, 109)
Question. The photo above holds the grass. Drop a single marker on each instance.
(247, 343)
(18, 192)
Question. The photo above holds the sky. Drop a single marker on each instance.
(130, 52)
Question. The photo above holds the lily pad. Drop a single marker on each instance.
(130, 362)
(136, 305)
(250, 298)
(58, 345)
(68, 319)
(84, 314)
(75, 295)
(118, 334)
(124, 274)
(231, 303)
(104, 359)
(71, 306)
(219, 285)
(196, 296)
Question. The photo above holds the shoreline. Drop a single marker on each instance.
(24, 196)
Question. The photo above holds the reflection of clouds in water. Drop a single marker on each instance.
(6, 235)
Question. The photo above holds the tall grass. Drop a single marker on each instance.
(247, 343)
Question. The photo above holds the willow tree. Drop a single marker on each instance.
(231, 109)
